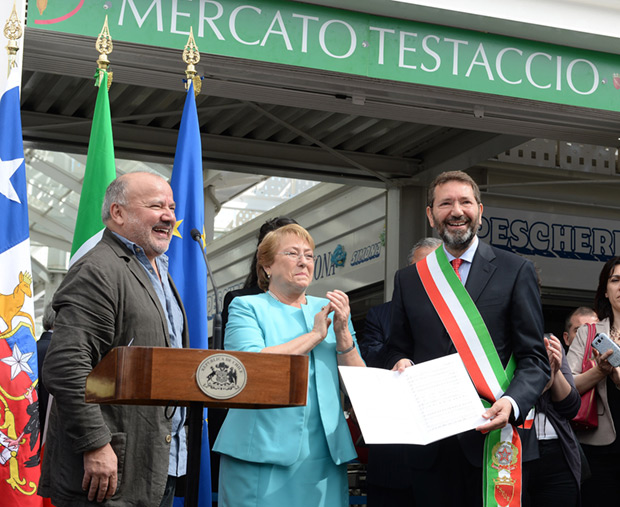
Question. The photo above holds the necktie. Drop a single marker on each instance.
(456, 264)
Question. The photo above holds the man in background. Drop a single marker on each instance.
(377, 326)
(576, 319)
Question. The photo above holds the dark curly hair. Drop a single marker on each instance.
(602, 306)
(267, 227)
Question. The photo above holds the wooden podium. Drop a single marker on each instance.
(168, 376)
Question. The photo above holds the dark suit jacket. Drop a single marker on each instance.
(504, 288)
(375, 335)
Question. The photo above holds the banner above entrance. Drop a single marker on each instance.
(303, 35)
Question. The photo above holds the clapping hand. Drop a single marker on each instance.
(339, 304)
(322, 322)
(554, 353)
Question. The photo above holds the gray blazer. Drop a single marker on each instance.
(105, 301)
(606, 432)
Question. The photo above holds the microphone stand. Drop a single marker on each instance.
(196, 408)
(217, 318)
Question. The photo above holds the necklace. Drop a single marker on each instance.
(273, 296)
(276, 298)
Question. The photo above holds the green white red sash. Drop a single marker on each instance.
(458, 313)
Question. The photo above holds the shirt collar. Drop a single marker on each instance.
(138, 251)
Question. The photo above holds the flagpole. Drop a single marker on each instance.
(191, 56)
(188, 271)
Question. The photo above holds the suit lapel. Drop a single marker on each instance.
(481, 270)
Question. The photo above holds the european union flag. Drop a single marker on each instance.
(187, 266)
(19, 428)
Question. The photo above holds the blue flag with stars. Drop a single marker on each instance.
(19, 416)
(187, 266)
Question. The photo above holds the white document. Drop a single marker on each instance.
(427, 402)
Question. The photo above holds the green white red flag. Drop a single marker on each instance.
(99, 173)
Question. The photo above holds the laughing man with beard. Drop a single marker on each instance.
(504, 289)
(117, 294)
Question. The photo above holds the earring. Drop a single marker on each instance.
(268, 276)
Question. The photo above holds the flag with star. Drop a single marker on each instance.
(98, 174)
(187, 266)
(19, 406)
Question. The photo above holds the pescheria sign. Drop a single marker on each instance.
(303, 35)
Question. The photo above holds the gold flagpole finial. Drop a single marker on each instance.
(191, 56)
(12, 31)
(104, 46)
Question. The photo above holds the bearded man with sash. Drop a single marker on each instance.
(484, 303)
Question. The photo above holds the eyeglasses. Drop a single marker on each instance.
(308, 257)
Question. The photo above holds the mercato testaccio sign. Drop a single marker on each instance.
(323, 38)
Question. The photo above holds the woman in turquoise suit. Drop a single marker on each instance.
(292, 456)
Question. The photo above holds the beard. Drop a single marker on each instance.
(458, 240)
(141, 235)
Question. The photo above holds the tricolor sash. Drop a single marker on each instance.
(462, 320)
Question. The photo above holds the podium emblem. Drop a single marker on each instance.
(221, 376)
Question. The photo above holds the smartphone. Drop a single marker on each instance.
(603, 343)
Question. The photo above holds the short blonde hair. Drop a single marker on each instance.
(266, 253)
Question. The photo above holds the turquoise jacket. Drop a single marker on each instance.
(274, 435)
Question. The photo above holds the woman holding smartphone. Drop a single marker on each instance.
(601, 445)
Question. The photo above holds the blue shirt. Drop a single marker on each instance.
(174, 317)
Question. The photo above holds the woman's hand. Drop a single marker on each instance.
(322, 322)
(554, 352)
(615, 371)
(601, 362)
(560, 388)
(339, 304)
(307, 341)
(586, 380)
(554, 361)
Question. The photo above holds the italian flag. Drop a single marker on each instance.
(100, 171)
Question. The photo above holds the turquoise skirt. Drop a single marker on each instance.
(307, 483)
